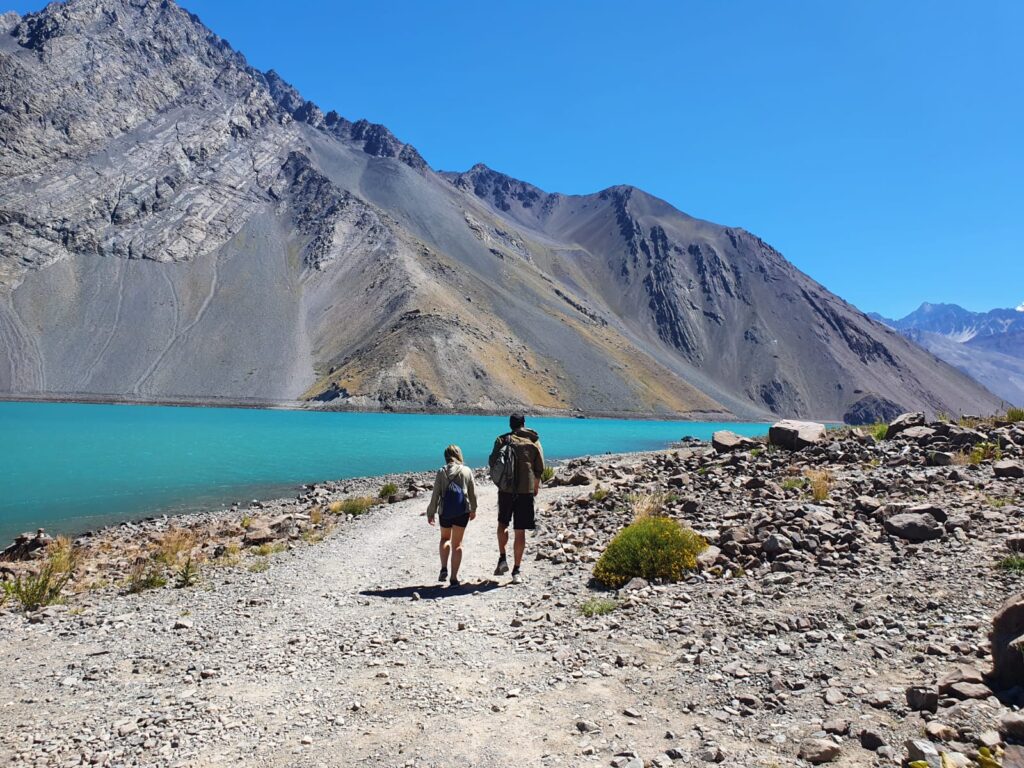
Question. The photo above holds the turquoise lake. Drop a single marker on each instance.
(70, 467)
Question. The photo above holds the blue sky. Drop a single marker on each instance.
(878, 145)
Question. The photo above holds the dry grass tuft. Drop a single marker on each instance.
(820, 483)
(173, 544)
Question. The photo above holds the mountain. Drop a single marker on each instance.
(175, 224)
(988, 346)
(959, 324)
(1001, 373)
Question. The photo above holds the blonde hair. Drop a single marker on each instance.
(453, 452)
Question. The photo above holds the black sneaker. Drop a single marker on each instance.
(516, 577)
(443, 575)
(502, 566)
(454, 583)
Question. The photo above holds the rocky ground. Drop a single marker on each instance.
(842, 614)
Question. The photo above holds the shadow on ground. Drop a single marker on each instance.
(432, 591)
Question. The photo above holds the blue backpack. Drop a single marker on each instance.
(454, 504)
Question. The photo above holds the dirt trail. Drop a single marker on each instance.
(343, 653)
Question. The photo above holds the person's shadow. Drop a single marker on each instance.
(432, 591)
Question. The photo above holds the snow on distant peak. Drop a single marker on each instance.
(1020, 307)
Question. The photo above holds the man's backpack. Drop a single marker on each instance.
(503, 471)
(454, 503)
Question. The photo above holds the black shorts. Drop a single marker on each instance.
(517, 509)
(459, 522)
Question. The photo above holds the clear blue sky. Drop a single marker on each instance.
(879, 145)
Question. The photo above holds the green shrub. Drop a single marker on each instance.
(386, 490)
(187, 575)
(651, 548)
(1015, 414)
(985, 452)
(263, 550)
(1013, 563)
(599, 494)
(260, 565)
(879, 430)
(36, 590)
(598, 606)
(354, 505)
(547, 474)
(794, 483)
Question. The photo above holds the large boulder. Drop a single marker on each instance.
(920, 434)
(25, 546)
(725, 441)
(794, 435)
(914, 526)
(1008, 469)
(1007, 638)
(904, 421)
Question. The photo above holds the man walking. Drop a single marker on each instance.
(516, 463)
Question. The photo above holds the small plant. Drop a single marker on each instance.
(354, 505)
(598, 606)
(651, 548)
(646, 504)
(794, 483)
(187, 575)
(1013, 563)
(316, 515)
(998, 502)
(37, 590)
(313, 536)
(599, 494)
(6, 591)
(260, 565)
(879, 431)
(265, 550)
(1014, 415)
(246, 521)
(961, 459)
(144, 575)
(387, 490)
(820, 482)
(985, 452)
(755, 452)
(547, 474)
(173, 544)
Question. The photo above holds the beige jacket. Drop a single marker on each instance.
(452, 471)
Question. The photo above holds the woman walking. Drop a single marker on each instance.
(454, 502)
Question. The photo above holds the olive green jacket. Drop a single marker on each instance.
(529, 458)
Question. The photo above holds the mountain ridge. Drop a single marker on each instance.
(224, 236)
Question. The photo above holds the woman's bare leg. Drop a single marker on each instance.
(445, 546)
(457, 534)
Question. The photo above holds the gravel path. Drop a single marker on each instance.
(342, 653)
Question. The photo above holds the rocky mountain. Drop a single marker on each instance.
(962, 325)
(175, 224)
(989, 346)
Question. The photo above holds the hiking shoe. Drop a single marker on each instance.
(502, 566)
(516, 576)
(443, 575)
(454, 583)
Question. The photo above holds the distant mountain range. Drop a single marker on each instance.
(989, 346)
(175, 224)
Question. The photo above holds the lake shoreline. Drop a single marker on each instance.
(409, 485)
(315, 407)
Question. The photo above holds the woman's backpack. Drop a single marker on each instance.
(454, 503)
